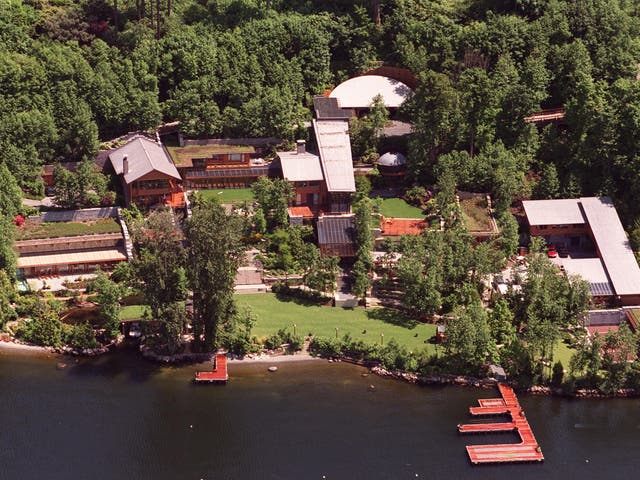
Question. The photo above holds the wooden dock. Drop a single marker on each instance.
(219, 373)
(527, 450)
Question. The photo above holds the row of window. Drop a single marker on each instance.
(217, 183)
(152, 184)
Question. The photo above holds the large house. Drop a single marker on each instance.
(147, 173)
(593, 242)
(210, 164)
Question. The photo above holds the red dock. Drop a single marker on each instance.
(219, 373)
(527, 450)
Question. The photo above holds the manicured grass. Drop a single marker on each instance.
(562, 353)
(131, 312)
(475, 214)
(229, 195)
(398, 208)
(34, 230)
(273, 314)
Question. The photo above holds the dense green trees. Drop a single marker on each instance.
(214, 253)
(273, 196)
(108, 298)
(160, 271)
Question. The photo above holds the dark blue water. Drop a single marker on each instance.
(118, 417)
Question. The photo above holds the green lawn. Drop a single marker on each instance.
(398, 208)
(34, 230)
(273, 314)
(229, 195)
(562, 353)
(131, 312)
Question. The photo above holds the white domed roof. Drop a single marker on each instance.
(359, 92)
(392, 159)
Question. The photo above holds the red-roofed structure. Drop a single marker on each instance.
(402, 226)
(304, 212)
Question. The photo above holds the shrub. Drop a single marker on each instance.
(81, 336)
(45, 330)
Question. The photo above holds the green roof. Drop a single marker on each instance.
(183, 156)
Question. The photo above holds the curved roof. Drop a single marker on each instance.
(358, 92)
(392, 159)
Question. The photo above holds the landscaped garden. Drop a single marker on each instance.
(476, 215)
(273, 314)
(228, 195)
(399, 208)
(35, 230)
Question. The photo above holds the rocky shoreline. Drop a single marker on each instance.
(465, 381)
(193, 358)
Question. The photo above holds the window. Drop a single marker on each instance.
(153, 184)
(235, 157)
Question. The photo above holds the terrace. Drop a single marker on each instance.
(40, 230)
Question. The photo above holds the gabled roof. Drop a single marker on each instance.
(300, 167)
(332, 138)
(553, 212)
(144, 156)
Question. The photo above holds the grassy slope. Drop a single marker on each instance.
(132, 312)
(475, 214)
(273, 314)
(398, 208)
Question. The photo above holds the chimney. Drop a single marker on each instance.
(301, 147)
(125, 164)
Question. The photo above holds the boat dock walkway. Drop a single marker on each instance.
(527, 450)
(219, 373)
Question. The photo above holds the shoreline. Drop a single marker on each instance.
(23, 347)
(297, 357)
(453, 380)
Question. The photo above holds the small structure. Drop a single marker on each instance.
(219, 373)
(300, 215)
(543, 117)
(147, 174)
(392, 165)
(336, 235)
(497, 372)
(441, 333)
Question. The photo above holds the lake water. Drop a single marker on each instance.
(118, 417)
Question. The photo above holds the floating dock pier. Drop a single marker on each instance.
(219, 373)
(527, 450)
